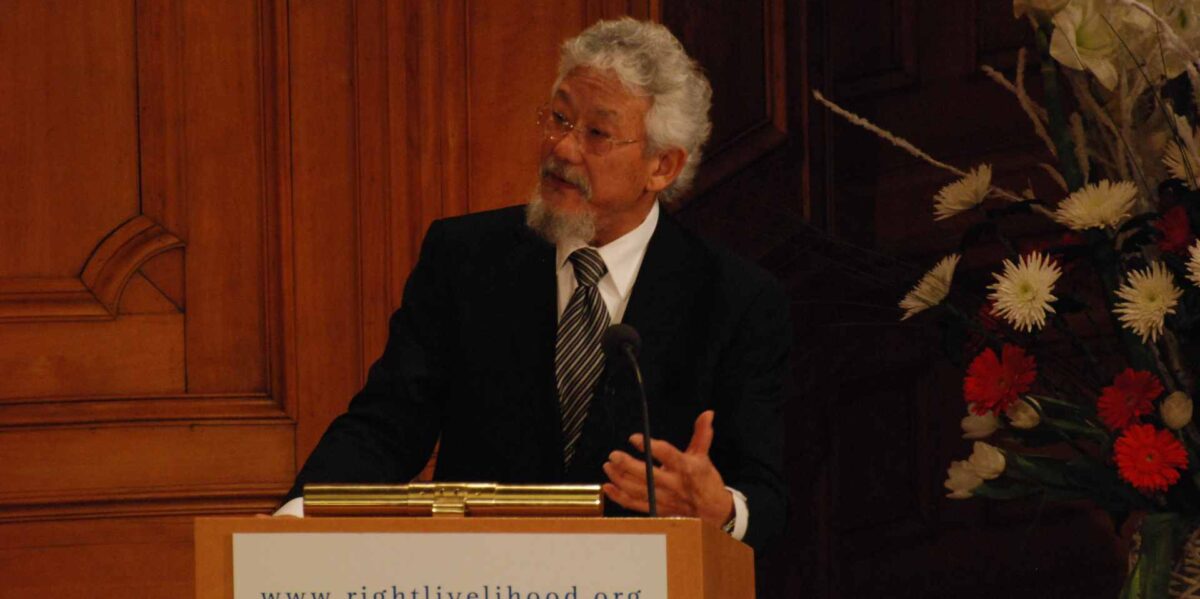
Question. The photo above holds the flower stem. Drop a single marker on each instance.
(1054, 110)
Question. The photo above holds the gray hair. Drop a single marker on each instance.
(649, 60)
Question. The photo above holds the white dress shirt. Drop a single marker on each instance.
(623, 257)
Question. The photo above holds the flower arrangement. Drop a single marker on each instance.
(1084, 349)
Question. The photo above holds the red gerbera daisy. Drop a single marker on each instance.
(1148, 458)
(1131, 396)
(993, 383)
(1176, 230)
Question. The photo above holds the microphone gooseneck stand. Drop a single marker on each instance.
(624, 339)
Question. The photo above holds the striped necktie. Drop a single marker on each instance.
(578, 359)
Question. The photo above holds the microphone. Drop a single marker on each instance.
(622, 339)
(619, 335)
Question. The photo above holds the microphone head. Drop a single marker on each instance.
(618, 336)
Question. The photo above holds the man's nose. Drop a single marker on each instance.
(568, 147)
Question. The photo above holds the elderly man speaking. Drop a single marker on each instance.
(496, 348)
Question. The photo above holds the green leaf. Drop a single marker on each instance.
(1041, 470)
(1104, 487)
(995, 489)
(1054, 401)
(1153, 570)
(1139, 221)
(1077, 429)
(1037, 437)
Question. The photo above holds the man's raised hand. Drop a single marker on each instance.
(686, 483)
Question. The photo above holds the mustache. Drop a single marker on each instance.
(554, 167)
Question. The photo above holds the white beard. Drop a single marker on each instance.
(556, 227)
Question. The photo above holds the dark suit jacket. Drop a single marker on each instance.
(470, 358)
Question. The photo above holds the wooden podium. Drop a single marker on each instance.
(701, 561)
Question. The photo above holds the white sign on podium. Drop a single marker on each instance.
(449, 566)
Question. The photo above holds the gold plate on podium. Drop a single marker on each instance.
(453, 500)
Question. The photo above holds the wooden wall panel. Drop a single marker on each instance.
(140, 557)
(328, 361)
(132, 355)
(511, 73)
(875, 47)
(374, 155)
(140, 286)
(73, 68)
(75, 464)
(225, 197)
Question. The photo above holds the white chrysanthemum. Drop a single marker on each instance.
(1182, 162)
(932, 288)
(1149, 296)
(964, 194)
(1023, 293)
(1193, 264)
(1101, 204)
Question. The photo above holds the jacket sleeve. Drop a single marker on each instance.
(388, 432)
(753, 384)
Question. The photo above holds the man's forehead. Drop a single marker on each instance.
(598, 107)
(600, 92)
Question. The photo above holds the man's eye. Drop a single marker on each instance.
(560, 119)
(598, 134)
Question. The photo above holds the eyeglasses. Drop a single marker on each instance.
(556, 126)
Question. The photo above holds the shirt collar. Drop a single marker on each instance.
(623, 255)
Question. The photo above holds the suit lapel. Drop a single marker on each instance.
(662, 288)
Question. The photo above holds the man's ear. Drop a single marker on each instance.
(670, 164)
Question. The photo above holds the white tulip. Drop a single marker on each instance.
(986, 461)
(979, 427)
(1022, 415)
(1084, 40)
(961, 480)
(1176, 410)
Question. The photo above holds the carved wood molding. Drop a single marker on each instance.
(97, 410)
(765, 134)
(49, 299)
(121, 254)
(165, 501)
(96, 294)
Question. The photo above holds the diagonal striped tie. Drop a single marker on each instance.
(578, 359)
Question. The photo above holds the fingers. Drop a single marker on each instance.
(629, 476)
(624, 499)
(622, 466)
(660, 450)
(702, 434)
(701, 442)
(666, 506)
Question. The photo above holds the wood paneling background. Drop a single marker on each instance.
(208, 210)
